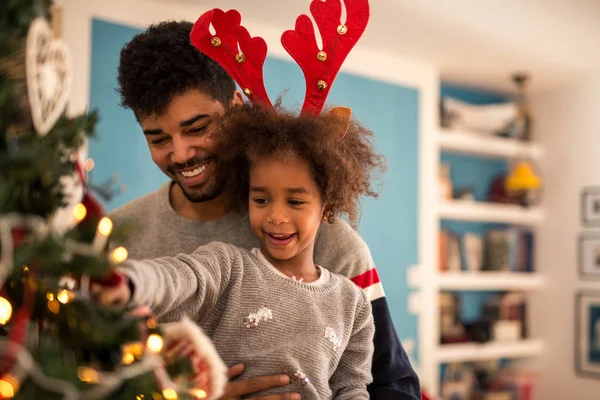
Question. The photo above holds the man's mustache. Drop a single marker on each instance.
(193, 162)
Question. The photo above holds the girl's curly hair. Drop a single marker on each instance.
(343, 168)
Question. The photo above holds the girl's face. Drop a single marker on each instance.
(285, 209)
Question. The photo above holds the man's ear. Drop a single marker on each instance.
(238, 98)
(344, 115)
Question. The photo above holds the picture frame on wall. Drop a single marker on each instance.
(587, 334)
(590, 206)
(589, 255)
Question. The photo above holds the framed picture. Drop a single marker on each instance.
(590, 206)
(587, 334)
(589, 255)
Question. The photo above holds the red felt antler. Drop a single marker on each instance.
(321, 66)
(244, 65)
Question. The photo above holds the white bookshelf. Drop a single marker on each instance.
(481, 281)
(489, 351)
(432, 282)
(465, 142)
(467, 210)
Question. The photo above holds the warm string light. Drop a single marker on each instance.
(132, 352)
(87, 374)
(7, 390)
(105, 227)
(200, 394)
(155, 343)
(89, 165)
(54, 306)
(79, 212)
(120, 254)
(170, 394)
(5, 311)
(128, 358)
(64, 296)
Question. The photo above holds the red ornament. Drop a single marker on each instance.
(94, 209)
(112, 280)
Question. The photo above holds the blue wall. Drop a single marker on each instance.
(389, 224)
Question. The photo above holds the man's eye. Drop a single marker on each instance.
(199, 129)
(260, 200)
(158, 141)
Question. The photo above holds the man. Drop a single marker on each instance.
(177, 94)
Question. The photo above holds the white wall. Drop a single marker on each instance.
(568, 125)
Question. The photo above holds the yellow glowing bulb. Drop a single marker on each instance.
(63, 296)
(139, 397)
(5, 311)
(201, 394)
(105, 226)
(120, 254)
(128, 358)
(89, 164)
(170, 394)
(6, 389)
(49, 296)
(54, 306)
(151, 323)
(155, 343)
(79, 212)
(86, 374)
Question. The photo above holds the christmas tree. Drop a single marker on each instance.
(55, 341)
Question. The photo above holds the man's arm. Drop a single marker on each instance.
(340, 249)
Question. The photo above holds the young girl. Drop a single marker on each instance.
(272, 308)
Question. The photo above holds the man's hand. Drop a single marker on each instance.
(234, 390)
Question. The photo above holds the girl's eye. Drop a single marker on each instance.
(260, 200)
(296, 202)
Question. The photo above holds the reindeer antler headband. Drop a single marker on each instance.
(243, 56)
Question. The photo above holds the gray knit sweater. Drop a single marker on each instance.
(258, 316)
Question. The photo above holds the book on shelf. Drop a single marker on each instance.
(501, 250)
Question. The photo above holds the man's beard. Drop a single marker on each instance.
(208, 190)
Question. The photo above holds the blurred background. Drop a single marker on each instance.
(487, 232)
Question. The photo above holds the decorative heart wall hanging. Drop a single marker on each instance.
(49, 75)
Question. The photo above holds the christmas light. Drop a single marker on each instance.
(199, 393)
(7, 390)
(105, 226)
(54, 306)
(155, 343)
(5, 311)
(128, 358)
(119, 254)
(79, 212)
(49, 296)
(170, 394)
(151, 323)
(64, 296)
(88, 375)
(104, 229)
(89, 165)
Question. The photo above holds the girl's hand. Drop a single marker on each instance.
(116, 294)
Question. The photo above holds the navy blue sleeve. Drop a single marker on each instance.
(393, 376)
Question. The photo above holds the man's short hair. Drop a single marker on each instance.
(161, 63)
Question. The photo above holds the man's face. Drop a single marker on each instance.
(181, 144)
